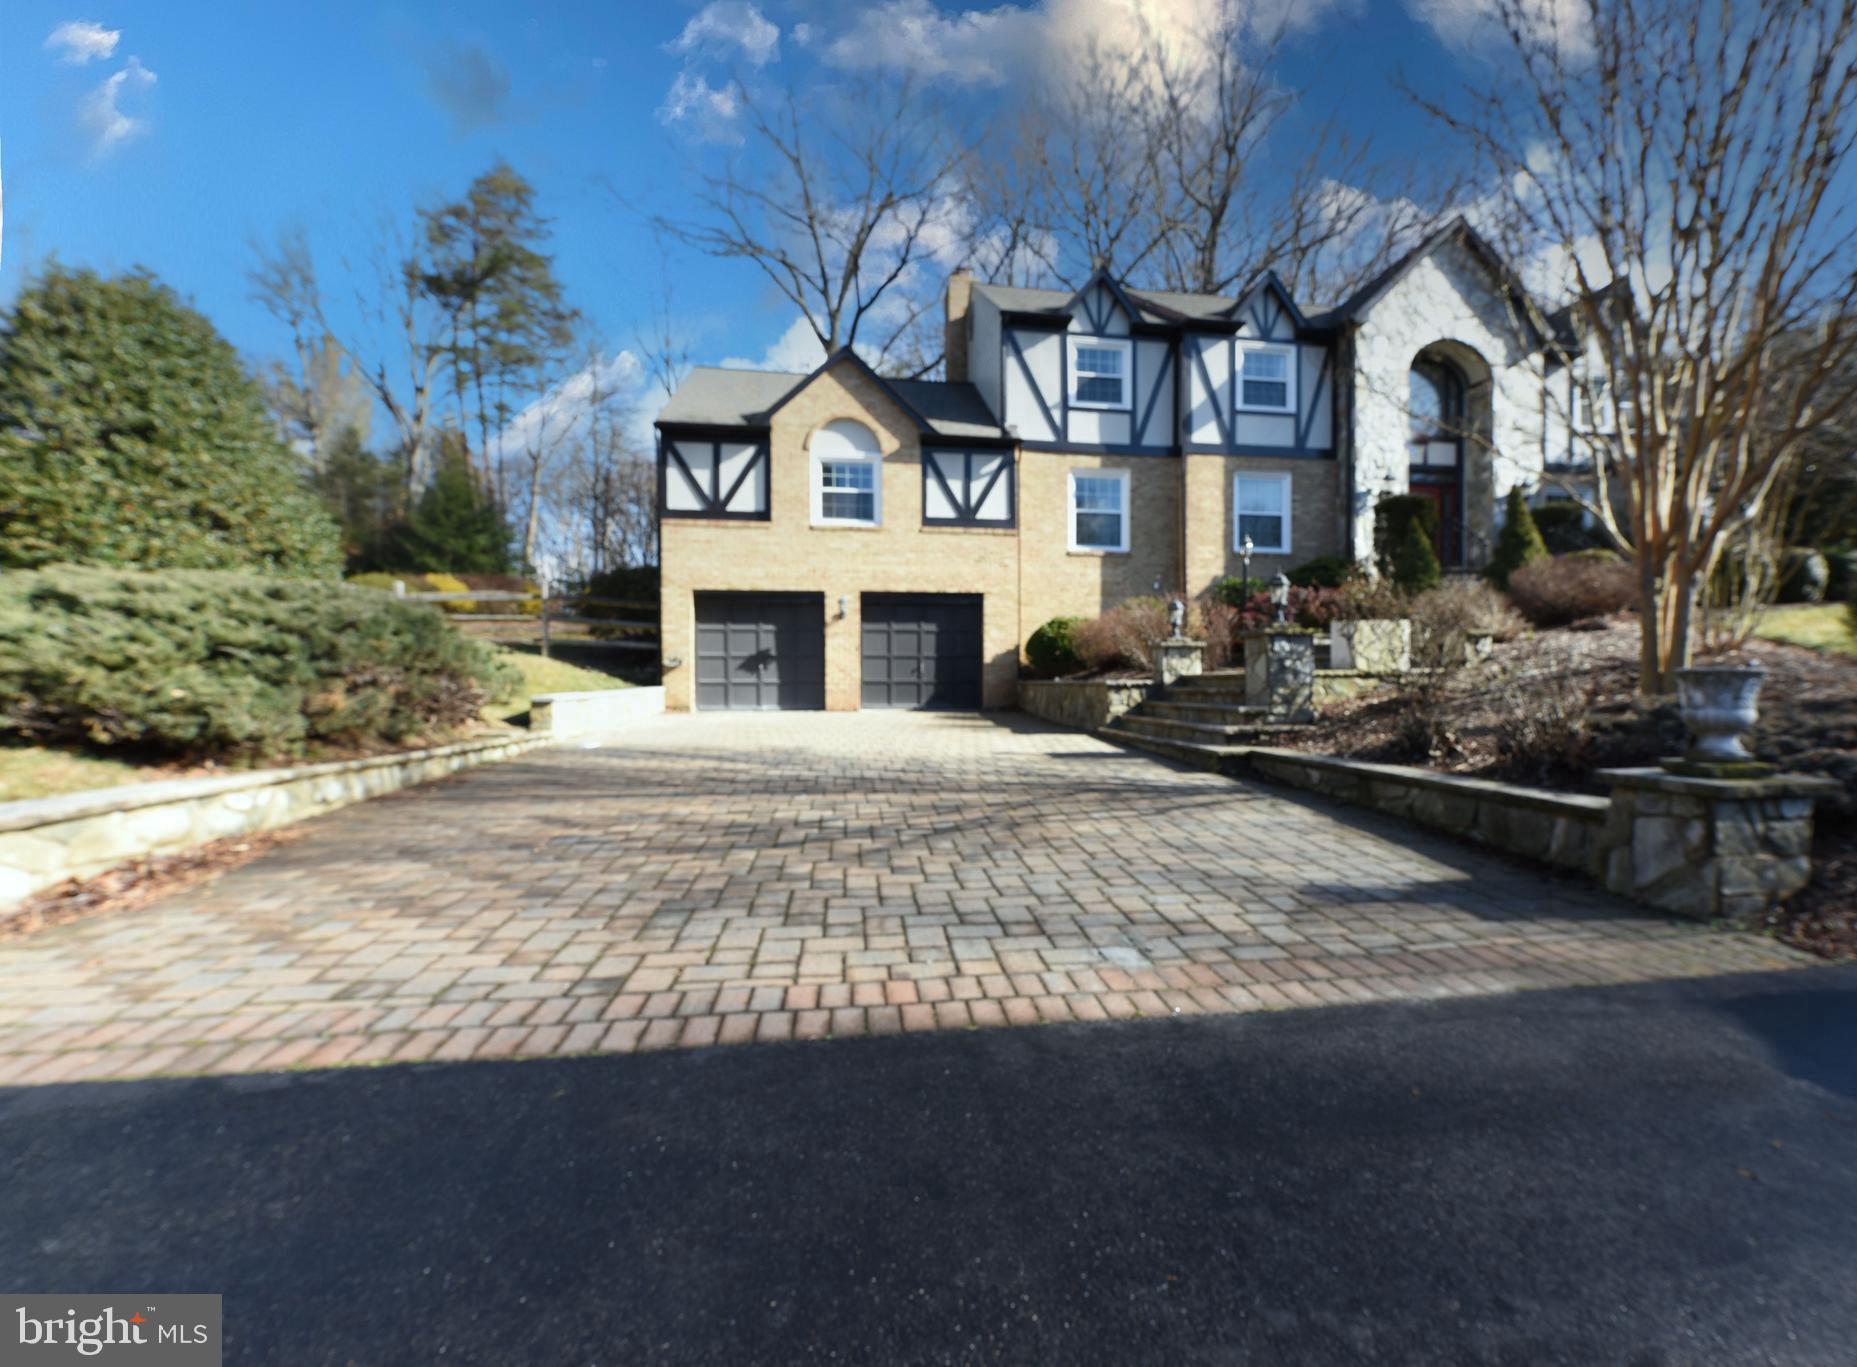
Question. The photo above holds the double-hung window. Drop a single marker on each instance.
(1099, 372)
(1099, 510)
(847, 491)
(1266, 378)
(1261, 511)
(847, 476)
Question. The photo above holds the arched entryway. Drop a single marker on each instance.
(1448, 421)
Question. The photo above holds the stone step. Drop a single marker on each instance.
(1229, 714)
(1226, 695)
(1199, 756)
(1200, 732)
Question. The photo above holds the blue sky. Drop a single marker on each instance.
(197, 127)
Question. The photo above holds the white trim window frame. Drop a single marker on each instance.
(1288, 355)
(853, 477)
(1094, 500)
(1282, 512)
(1100, 371)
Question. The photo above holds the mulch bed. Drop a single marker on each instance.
(1808, 724)
(137, 882)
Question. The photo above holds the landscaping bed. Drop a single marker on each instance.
(1552, 708)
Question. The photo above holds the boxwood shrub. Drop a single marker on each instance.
(224, 665)
(1050, 650)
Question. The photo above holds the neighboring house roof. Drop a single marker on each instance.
(711, 396)
(1154, 306)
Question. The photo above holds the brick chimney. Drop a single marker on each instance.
(954, 340)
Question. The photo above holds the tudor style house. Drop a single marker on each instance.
(842, 540)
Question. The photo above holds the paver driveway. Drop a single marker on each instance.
(729, 878)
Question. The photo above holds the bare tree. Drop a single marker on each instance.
(1687, 162)
(320, 400)
(853, 193)
(396, 348)
(1185, 162)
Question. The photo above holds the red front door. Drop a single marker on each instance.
(1444, 497)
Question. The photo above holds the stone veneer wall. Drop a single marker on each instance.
(1567, 829)
(1084, 704)
(47, 840)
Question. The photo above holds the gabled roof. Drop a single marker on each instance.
(1269, 280)
(1457, 230)
(711, 396)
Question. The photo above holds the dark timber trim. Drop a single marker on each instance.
(715, 502)
(969, 500)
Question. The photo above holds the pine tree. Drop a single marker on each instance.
(1415, 566)
(455, 528)
(1519, 543)
(130, 435)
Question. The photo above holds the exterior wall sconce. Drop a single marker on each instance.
(1280, 598)
(1244, 554)
(844, 607)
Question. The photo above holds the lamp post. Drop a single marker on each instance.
(1244, 554)
(1280, 598)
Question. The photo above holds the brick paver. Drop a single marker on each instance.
(725, 879)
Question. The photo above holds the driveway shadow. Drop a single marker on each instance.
(1472, 1181)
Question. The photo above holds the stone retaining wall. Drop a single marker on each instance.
(1087, 705)
(1567, 829)
(588, 713)
(47, 840)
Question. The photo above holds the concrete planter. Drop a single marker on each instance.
(1719, 706)
(1373, 647)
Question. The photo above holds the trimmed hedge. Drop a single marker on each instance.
(1572, 588)
(1416, 567)
(214, 664)
(1563, 528)
(1051, 651)
(1391, 516)
(1324, 572)
(1519, 544)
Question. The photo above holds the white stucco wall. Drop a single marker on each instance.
(1449, 296)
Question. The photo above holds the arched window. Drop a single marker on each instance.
(1435, 414)
(847, 475)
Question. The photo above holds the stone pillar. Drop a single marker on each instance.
(1709, 847)
(1279, 673)
(1176, 658)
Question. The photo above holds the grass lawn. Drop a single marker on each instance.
(546, 676)
(36, 771)
(1822, 626)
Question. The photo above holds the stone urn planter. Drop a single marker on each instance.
(1719, 706)
(1374, 647)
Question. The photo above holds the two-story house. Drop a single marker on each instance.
(842, 540)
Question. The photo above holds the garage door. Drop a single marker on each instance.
(760, 650)
(921, 650)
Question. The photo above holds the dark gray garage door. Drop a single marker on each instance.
(760, 650)
(921, 650)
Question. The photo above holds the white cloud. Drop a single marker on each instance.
(1013, 41)
(796, 351)
(709, 110)
(617, 378)
(1470, 25)
(78, 41)
(102, 114)
(724, 27)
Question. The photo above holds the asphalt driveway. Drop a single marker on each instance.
(1653, 1174)
(755, 878)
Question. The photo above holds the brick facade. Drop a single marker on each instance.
(787, 553)
(1179, 536)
